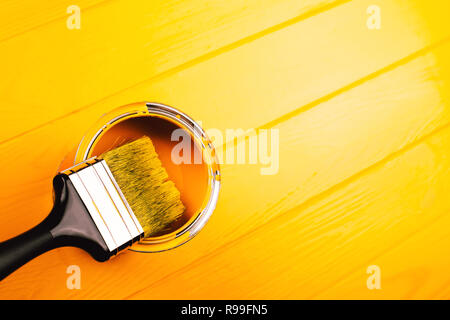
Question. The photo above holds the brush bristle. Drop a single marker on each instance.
(154, 199)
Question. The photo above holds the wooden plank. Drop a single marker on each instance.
(319, 149)
(416, 266)
(52, 71)
(18, 17)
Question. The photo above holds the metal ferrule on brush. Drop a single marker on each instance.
(105, 203)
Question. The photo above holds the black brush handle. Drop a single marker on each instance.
(68, 224)
(17, 251)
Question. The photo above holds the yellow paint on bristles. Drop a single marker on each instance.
(154, 199)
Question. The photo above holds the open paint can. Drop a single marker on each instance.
(185, 151)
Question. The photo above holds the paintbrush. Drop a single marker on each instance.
(102, 205)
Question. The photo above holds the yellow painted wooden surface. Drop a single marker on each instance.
(363, 117)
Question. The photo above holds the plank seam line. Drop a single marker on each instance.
(348, 87)
(356, 83)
